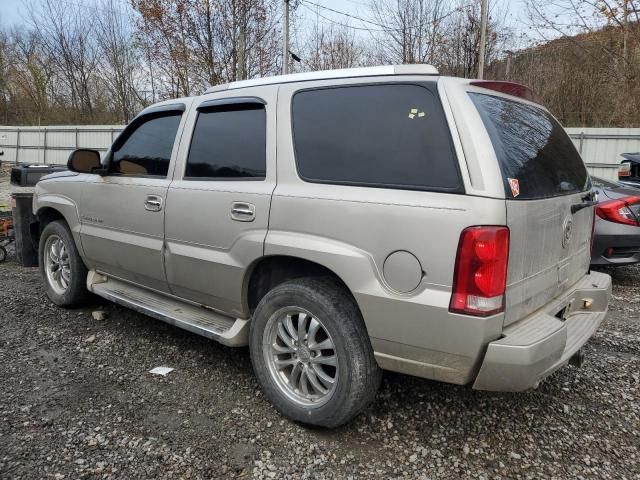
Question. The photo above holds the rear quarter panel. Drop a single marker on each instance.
(352, 230)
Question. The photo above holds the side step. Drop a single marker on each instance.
(226, 330)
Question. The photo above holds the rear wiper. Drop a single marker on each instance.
(589, 200)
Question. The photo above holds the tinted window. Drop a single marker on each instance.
(532, 148)
(147, 149)
(376, 135)
(228, 144)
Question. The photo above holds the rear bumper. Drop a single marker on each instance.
(535, 347)
(625, 248)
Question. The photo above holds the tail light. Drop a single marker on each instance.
(624, 170)
(480, 274)
(624, 210)
(593, 228)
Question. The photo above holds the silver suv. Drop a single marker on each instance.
(340, 223)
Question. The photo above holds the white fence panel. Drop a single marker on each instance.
(53, 144)
(600, 147)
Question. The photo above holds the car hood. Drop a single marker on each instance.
(64, 173)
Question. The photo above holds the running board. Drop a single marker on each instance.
(226, 330)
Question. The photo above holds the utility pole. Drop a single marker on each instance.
(508, 72)
(625, 31)
(242, 74)
(285, 37)
(484, 13)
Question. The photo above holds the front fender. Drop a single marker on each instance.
(50, 196)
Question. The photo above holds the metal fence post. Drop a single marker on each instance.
(17, 143)
(581, 142)
(44, 156)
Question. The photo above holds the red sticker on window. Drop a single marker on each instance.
(515, 186)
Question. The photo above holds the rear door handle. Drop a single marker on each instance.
(153, 203)
(243, 212)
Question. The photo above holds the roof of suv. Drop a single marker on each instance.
(415, 69)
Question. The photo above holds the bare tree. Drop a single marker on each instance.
(70, 45)
(602, 39)
(331, 46)
(119, 59)
(410, 28)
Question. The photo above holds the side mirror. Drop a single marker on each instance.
(84, 161)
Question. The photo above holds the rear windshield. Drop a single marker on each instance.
(536, 156)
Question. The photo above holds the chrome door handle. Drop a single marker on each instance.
(243, 212)
(153, 203)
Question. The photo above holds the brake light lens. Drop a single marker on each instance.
(480, 274)
(620, 210)
(624, 170)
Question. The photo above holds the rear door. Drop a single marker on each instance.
(218, 204)
(543, 177)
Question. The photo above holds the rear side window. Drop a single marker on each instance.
(229, 144)
(536, 156)
(392, 135)
(146, 149)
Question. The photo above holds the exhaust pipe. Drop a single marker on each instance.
(577, 360)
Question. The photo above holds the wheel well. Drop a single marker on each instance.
(44, 217)
(270, 272)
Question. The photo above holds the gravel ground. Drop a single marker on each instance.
(77, 401)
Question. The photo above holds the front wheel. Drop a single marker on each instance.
(62, 269)
(311, 352)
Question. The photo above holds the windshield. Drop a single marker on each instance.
(536, 156)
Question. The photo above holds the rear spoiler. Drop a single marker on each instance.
(510, 88)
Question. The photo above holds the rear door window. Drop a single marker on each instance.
(390, 135)
(229, 144)
(536, 156)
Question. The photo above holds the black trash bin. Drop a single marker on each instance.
(21, 208)
(27, 175)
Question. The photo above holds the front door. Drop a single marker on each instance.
(122, 212)
(218, 204)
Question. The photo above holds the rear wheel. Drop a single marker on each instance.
(311, 352)
(62, 269)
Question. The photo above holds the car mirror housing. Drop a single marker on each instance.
(84, 161)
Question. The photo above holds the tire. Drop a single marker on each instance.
(3, 254)
(356, 375)
(73, 291)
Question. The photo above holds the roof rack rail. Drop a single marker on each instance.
(414, 69)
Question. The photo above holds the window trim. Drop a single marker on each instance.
(230, 104)
(160, 111)
(429, 86)
(223, 102)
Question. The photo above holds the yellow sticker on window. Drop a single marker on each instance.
(414, 112)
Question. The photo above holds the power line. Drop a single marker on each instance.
(383, 28)
(330, 20)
